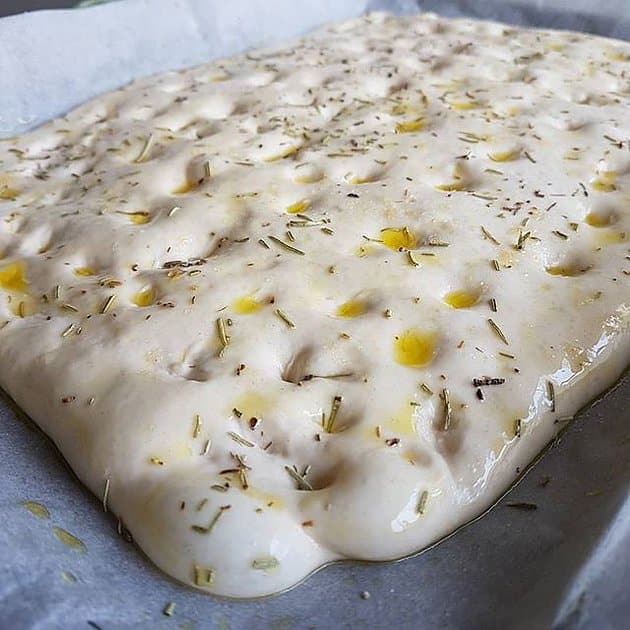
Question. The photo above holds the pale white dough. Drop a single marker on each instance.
(386, 169)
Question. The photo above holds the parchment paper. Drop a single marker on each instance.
(564, 565)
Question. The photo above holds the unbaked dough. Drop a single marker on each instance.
(323, 301)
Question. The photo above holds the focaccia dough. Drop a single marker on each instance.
(324, 301)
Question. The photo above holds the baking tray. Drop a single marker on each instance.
(563, 565)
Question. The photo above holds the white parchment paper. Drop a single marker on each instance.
(564, 565)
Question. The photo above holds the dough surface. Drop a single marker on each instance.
(323, 301)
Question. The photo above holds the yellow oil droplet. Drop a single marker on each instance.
(616, 55)
(402, 423)
(602, 186)
(184, 188)
(604, 181)
(84, 271)
(461, 298)
(450, 187)
(282, 154)
(352, 308)
(308, 179)
(410, 126)
(610, 237)
(363, 180)
(246, 305)
(504, 156)
(511, 110)
(299, 206)
(12, 277)
(37, 509)
(414, 348)
(568, 271)
(8, 194)
(598, 220)
(398, 238)
(139, 218)
(265, 499)
(68, 539)
(251, 404)
(463, 105)
(144, 297)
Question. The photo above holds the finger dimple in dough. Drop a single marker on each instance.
(321, 301)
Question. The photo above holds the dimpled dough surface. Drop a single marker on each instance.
(323, 301)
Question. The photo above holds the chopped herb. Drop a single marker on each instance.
(448, 410)
(489, 236)
(265, 564)
(223, 337)
(107, 304)
(487, 380)
(284, 318)
(206, 530)
(498, 332)
(203, 576)
(240, 440)
(529, 157)
(106, 494)
(289, 248)
(197, 426)
(168, 609)
(330, 424)
(522, 238)
(551, 394)
(148, 143)
(422, 502)
(302, 484)
(518, 427)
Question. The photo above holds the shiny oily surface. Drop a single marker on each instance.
(175, 255)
